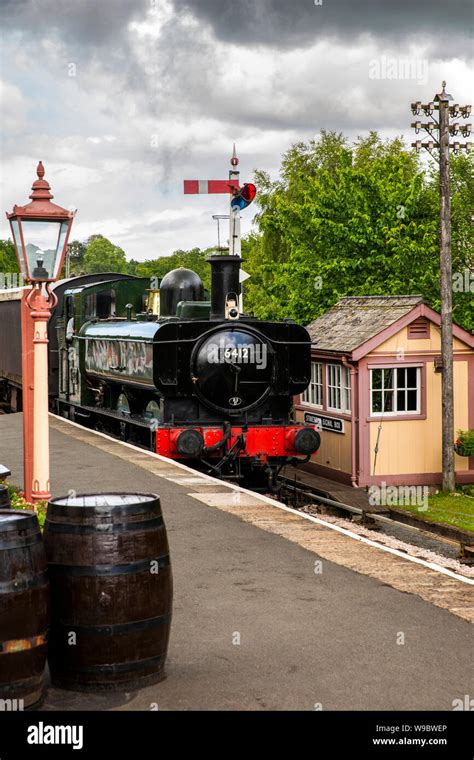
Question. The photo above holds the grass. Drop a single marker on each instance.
(456, 509)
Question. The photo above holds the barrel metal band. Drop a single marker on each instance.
(52, 527)
(20, 686)
(132, 567)
(22, 523)
(20, 645)
(144, 508)
(115, 629)
(20, 542)
(22, 584)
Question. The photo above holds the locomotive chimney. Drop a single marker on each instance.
(224, 284)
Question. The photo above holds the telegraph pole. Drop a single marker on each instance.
(446, 295)
(443, 130)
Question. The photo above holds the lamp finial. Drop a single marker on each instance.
(40, 187)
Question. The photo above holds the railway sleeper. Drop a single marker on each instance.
(366, 521)
(466, 555)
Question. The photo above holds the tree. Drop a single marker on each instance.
(75, 251)
(194, 259)
(348, 220)
(132, 267)
(8, 263)
(103, 256)
(462, 248)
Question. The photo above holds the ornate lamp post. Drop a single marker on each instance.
(40, 233)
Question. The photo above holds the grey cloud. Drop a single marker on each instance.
(276, 23)
(295, 23)
(87, 22)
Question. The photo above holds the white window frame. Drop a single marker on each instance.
(313, 395)
(338, 388)
(396, 412)
(347, 389)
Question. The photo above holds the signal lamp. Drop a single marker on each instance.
(244, 196)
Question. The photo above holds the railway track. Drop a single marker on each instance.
(444, 540)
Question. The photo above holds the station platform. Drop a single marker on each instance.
(273, 610)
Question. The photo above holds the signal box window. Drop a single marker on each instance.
(395, 391)
(313, 395)
(338, 388)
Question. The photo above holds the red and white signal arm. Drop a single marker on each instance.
(213, 186)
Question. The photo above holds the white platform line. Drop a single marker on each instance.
(279, 505)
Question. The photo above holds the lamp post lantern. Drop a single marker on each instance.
(40, 232)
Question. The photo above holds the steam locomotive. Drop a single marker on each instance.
(192, 379)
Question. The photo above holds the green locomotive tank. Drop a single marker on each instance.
(118, 351)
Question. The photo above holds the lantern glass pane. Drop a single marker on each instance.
(19, 247)
(41, 239)
(61, 241)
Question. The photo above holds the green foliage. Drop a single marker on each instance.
(464, 444)
(97, 254)
(103, 256)
(132, 267)
(352, 220)
(18, 501)
(194, 259)
(466, 436)
(8, 259)
(462, 203)
(76, 251)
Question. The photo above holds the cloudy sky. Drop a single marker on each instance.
(124, 99)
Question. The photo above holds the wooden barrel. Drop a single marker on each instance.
(4, 497)
(111, 588)
(24, 609)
